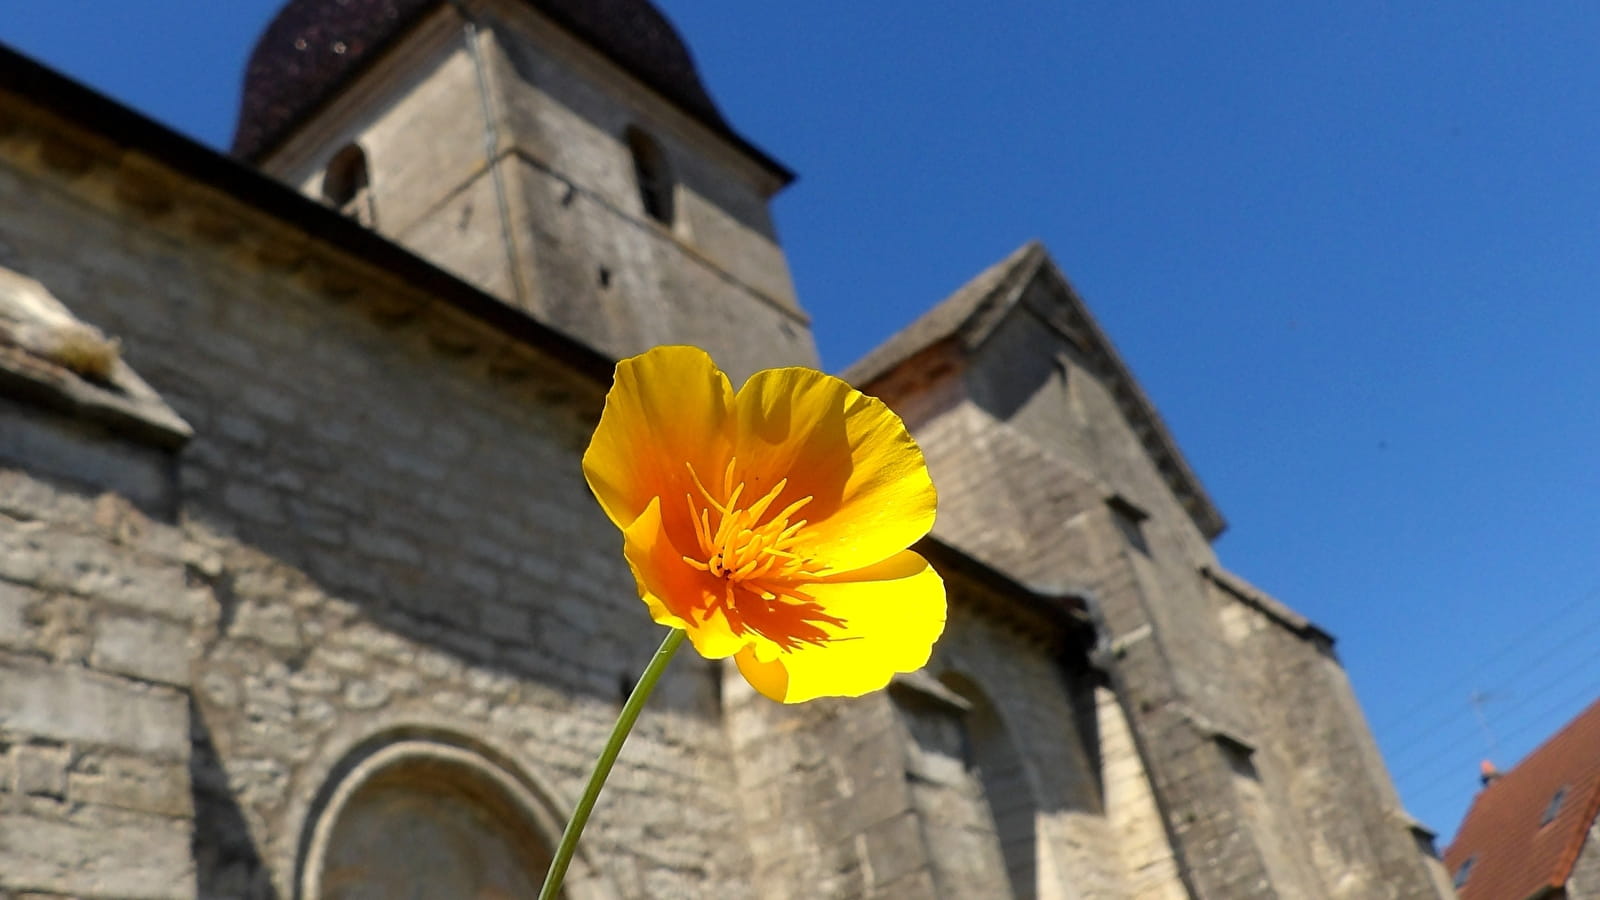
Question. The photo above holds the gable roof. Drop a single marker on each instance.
(972, 313)
(1514, 856)
(969, 313)
(124, 133)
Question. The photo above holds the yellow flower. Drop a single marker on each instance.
(771, 524)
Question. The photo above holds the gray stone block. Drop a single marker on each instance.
(67, 703)
(14, 603)
(151, 649)
(126, 781)
(91, 855)
(41, 770)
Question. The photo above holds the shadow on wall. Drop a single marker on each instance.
(227, 863)
(990, 751)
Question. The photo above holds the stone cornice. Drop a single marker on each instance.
(116, 159)
(1273, 609)
(111, 157)
(139, 415)
(1059, 623)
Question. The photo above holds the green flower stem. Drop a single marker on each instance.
(602, 767)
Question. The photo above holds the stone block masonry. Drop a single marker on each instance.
(408, 554)
(352, 605)
(94, 715)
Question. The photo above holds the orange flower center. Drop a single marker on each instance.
(757, 558)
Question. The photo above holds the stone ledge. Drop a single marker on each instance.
(49, 357)
(1271, 607)
(135, 414)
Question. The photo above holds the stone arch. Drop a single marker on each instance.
(434, 812)
(991, 751)
(653, 175)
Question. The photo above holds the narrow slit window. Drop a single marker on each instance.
(653, 175)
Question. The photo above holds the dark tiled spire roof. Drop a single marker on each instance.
(312, 48)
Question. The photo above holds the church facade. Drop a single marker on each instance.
(302, 593)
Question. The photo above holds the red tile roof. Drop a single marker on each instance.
(1513, 856)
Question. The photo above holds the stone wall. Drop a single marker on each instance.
(1045, 716)
(1322, 776)
(827, 810)
(1134, 817)
(1039, 509)
(895, 796)
(600, 267)
(1045, 476)
(567, 110)
(96, 609)
(383, 530)
(92, 712)
(1584, 883)
(538, 203)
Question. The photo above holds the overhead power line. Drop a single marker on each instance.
(1430, 700)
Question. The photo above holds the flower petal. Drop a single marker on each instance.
(893, 613)
(872, 495)
(675, 592)
(769, 678)
(666, 408)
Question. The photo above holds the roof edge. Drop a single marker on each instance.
(281, 136)
(33, 84)
(1568, 860)
(786, 176)
(975, 309)
(1067, 613)
(1157, 438)
(1266, 604)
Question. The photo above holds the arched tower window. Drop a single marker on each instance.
(346, 184)
(650, 170)
(992, 753)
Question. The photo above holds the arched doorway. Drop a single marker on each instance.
(423, 819)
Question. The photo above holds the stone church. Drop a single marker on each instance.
(302, 593)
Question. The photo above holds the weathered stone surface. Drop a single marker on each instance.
(91, 566)
(73, 704)
(14, 603)
(1046, 471)
(380, 533)
(89, 854)
(144, 648)
(58, 445)
(1584, 882)
(41, 770)
(132, 782)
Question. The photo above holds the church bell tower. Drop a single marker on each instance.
(561, 155)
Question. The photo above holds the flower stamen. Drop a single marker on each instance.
(757, 562)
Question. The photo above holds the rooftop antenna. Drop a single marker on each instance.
(1477, 700)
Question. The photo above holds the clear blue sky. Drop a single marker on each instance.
(1349, 248)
